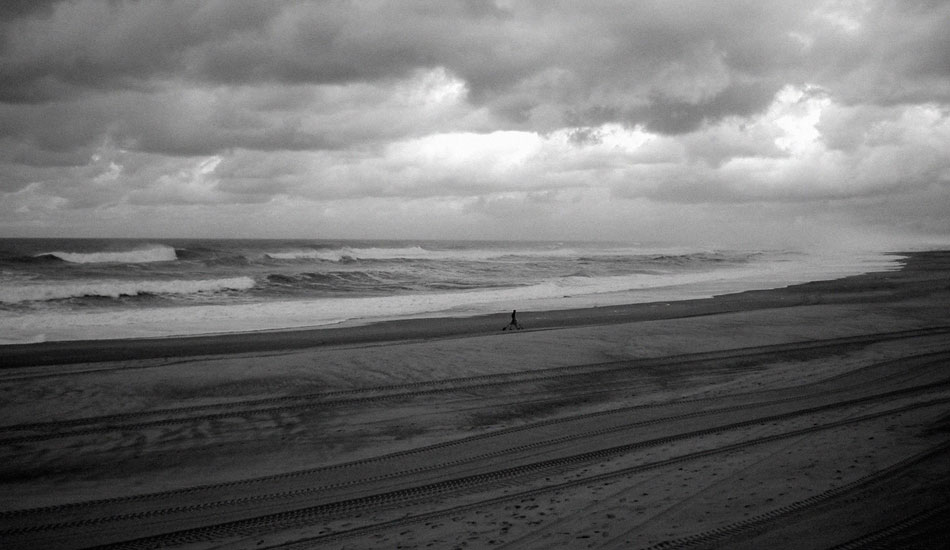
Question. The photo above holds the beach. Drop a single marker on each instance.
(811, 416)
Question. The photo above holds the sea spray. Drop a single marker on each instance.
(156, 253)
(29, 292)
(74, 288)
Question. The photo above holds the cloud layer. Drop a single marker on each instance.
(610, 120)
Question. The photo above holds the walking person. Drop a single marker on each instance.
(514, 322)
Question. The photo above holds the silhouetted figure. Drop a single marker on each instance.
(514, 322)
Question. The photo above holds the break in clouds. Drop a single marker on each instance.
(700, 121)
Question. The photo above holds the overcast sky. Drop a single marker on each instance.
(717, 122)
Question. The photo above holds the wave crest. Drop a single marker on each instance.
(604, 254)
(13, 294)
(347, 253)
(156, 253)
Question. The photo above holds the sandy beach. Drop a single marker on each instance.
(813, 416)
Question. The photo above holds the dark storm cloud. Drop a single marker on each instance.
(11, 9)
(675, 116)
(900, 54)
(99, 45)
(591, 106)
(671, 66)
(169, 122)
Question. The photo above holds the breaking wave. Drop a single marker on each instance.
(58, 289)
(17, 293)
(156, 253)
(346, 253)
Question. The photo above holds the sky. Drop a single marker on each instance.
(711, 123)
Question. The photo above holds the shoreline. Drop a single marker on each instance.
(860, 288)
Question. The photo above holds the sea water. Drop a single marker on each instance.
(67, 289)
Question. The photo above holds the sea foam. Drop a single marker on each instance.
(34, 292)
(156, 253)
(551, 294)
(238, 285)
(421, 253)
(345, 253)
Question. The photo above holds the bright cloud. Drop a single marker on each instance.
(666, 120)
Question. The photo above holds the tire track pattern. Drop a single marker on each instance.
(107, 423)
(476, 482)
(733, 529)
(870, 478)
(878, 540)
(917, 361)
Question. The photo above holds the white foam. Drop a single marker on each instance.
(567, 292)
(28, 292)
(340, 254)
(304, 255)
(154, 253)
(420, 253)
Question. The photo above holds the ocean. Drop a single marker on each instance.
(69, 289)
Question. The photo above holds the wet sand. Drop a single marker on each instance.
(816, 416)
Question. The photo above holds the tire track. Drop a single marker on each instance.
(528, 375)
(878, 539)
(919, 362)
(733, 529)
(473, 483)
(310, 542)
(418, 389)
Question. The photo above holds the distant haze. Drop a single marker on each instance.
(726, 122)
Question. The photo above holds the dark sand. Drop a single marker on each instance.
(816, 416)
